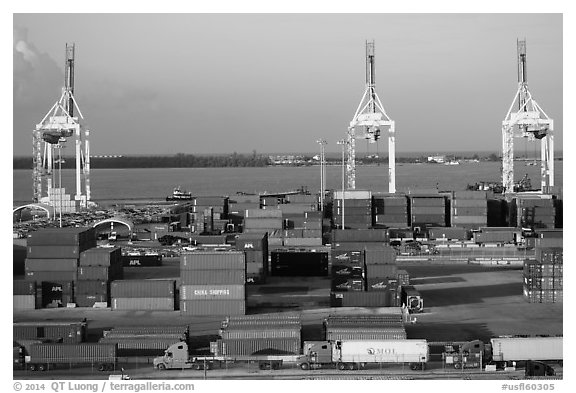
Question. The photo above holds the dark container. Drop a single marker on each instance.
(101, 257)
(92, 288)
(83, 237)
(142, 303)
(448, 233)
(340, 284)
(348, 257)
(359, 299)
(42, 264)
(212, 239)
(99, 273)
(141, 260)
(55, 252)
(72, 331)
(40, 276)
(198, 277)
(379, 254)
(296, 263)
(21, 287)
(18, 259)
(73, 353)
(347, 271)
(143, 289)
(379, 284)
(381, 271)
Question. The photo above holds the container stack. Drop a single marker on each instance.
(259, 335)
(217, 205)
(495, 235)
(390, 210)
(52, 262)
(535, 213)
(67, 332)
(213, 283)
(543, 278)
(365, 327)
(238, 204)
(261, 221)
(140, 259)
(143, 295)
(469, 209)
(98, 267)
(144, 340)
(448, 233)
(24, 295)
(255, 248)
(356, 208)
(428, 210)
(62, 202)
(382, 273)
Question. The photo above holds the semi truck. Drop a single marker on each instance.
(412, 299)
(42, 357)
(503, 352)
(177, 356)
(356, 354)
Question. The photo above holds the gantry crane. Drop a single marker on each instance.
(51, 134)
(529, 121)
(370, 118)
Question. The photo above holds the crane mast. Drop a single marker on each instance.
(367, 122)
(529, 121)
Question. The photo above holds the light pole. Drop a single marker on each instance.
(343, 143)
(322, 143)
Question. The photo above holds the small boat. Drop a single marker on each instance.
(179, 195)
(452, 163)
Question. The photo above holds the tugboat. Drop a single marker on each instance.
(179, 195)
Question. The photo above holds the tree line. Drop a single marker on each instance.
(179, 160)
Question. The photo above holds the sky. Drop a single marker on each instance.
(219, 83)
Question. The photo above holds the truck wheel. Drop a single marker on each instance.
(198, 367)
(351, 366)
(341, 366)
(101, 367)
(208, 366)
(161, 366)
(457, 365)
(41, 367)
(304, 366)
(32, 367)
(275, 366)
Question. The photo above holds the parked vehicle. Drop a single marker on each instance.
(42, 357)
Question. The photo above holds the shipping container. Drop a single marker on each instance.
(67, 354)
(352, 194)
(23, 302)
(477, 221)
(91, 287)
(373, 334)
(347, 271)
(343, 284)
(357, 236)
(297, 263)
(212, 292)
(529, 348)
(427, 201)
(302, 241)
(493, 237)
(141, 260)
(98, 273)
(101, 257)
(261, 332)
(69, 236)
(251, 242)
(212, 307)
(403, 277)
(142, 303)
(43, 264)
(89, 300)
(552, 255)
(549, 243)
(142, 289)
(262, 214)
(213, 276)
(382, 351)
(447, 233)
(40, 276)
(21, 287)
(235, 260)
(348, 257)
(379, 254)
(71, 331)
(381, 271)
(55, 252)
(359, 299)
(270, 346)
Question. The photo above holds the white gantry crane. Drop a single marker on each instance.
(51, 135)
(369, 119)
(531, 122)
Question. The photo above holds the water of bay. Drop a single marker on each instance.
(156, 183)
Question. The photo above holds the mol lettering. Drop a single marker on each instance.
(380, 351)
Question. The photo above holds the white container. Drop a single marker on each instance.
(383, 351)
(532, 348)
(353, 194)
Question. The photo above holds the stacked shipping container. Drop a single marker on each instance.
(213, 283)
(356, 208)
(298, 263)
(98, 267)
(365, 327)
(277, 335)
(144, 340)
(428, 210)
(52, 262)
(543, 278)
(255, 248)
(535, 213)
(24, 297)
(133, 295)
(469, 209)
(73, 331)
(390, 210)
(261, 221)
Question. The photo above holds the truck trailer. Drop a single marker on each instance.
(43, 357)
(356, 354)
(515, 349)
